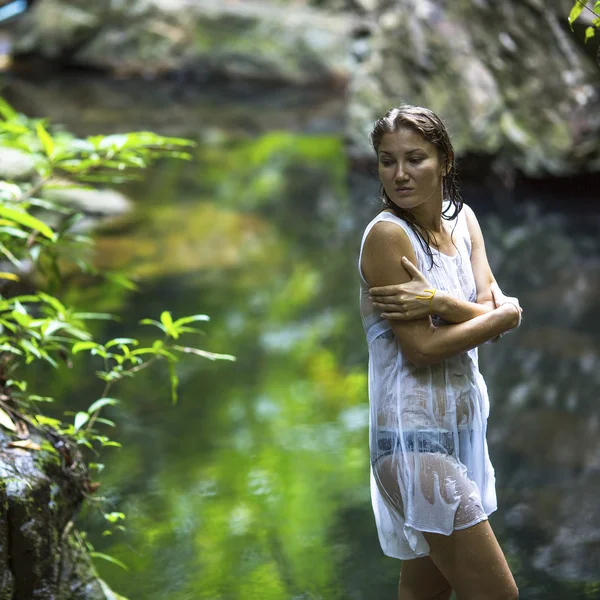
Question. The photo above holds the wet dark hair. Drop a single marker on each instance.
(432, 128)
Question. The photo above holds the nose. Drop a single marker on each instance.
(400, 174)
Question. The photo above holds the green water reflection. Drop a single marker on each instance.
(256, 485)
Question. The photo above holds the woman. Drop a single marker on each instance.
(432, 482)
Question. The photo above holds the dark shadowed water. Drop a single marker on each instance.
(255, 486)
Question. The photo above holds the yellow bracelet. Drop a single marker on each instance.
(430, 298)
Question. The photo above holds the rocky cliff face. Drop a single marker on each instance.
(509, 77)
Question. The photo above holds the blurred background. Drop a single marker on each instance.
(255, 486)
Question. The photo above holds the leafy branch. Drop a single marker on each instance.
(576, 11)
(38, 236)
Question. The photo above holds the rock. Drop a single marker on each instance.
(506, 77)
(509, 79)
(266, 42)
(94, 202)
(544, 426)
(58, 27)
(16, 165)
(574, 551)
(40, 495)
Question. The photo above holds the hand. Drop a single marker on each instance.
(500, 298)
(400, 302)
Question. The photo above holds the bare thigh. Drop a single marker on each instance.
(420, 579)
(473, 563)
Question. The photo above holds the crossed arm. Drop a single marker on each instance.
(420, 340)
(405, 301)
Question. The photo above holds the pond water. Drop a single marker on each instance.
(255, 485)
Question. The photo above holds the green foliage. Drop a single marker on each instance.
(39, 244)
(578, 8)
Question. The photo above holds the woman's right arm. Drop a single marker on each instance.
(422, 342)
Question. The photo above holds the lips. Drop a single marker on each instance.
(404, 189)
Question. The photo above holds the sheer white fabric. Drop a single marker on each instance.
(430, 469)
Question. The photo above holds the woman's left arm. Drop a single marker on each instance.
(453, 310)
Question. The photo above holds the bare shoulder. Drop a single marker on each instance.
(472, 224)
(469, 214)
(383, 250)
(387, 240)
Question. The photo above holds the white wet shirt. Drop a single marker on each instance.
(430, 468)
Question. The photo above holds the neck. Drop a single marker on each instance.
(428, 215)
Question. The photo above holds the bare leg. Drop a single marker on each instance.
(473, 563)
(420, 579)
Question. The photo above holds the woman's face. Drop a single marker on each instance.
(410, 168)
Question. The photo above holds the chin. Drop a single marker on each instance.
(405, 203)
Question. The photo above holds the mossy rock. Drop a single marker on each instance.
(40, 495)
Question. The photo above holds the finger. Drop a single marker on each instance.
(384, 307)
(395, 316)
(388, 290)
(411, 269)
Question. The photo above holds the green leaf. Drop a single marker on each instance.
(46, 139)
(79, 346)
(153, 322)
(114, 517)
(115, 444)
(109, 558)
(42, 420)
(589, 33)
(11, 276)
(26, 220)
(575, 12)
(10, 349)
(36, 398)
(142, 351)
(6, 421)
(24, 320)
(113, 141)
(121, 280)
(167, 320)
(51, 326)
(98, 404)
(119, 341)
(21, 385)
(55, 303)
(30, 347)
(174, 382)
(13, 259)
(203, 353)
(85, 442)
(15, 233)
(81, 418)
(186, 320)
(7, 111)
(99, 316)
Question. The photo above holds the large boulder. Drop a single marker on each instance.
(253, 40)
(510, 79)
